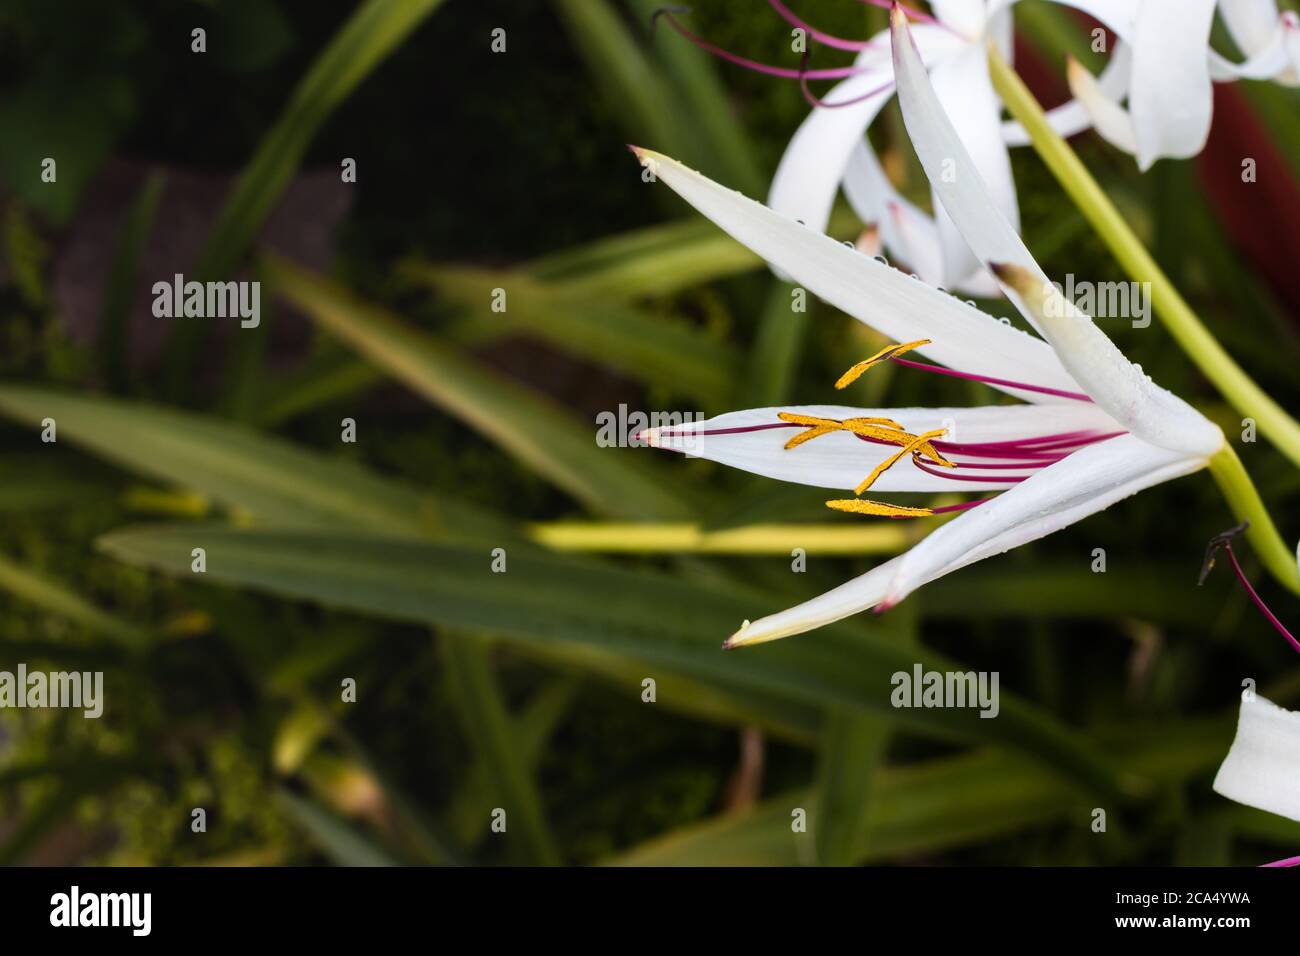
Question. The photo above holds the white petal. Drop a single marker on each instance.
(840, 460)
(1171, 98)
(953, 174)
(1109, 119)
(1251, 23)
(965, 91)
(852, 597)
(897, 306)
(1262, 768)
(964, 16)
(1071, 117)
(808, 176)
(1116, 384)
(908, 233)
(1092, 359)
(1118, 15)
(1086, 482)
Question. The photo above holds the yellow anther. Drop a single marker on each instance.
(864, 507)
(913, 447)
(815, 431)
(884, 355)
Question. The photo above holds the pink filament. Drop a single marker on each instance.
(1259, 602)
(833, 73)
(826, 39)
(819, 103)
(913, 14)
(940, 370)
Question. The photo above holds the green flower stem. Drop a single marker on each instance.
(655, 538)
(1247, 505)
(1187, 329)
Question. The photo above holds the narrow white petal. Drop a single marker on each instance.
(1088, 481)
(964, 16)
(809, 174)
(908, 233)
(964, 90)
(1251, 23)
(1262, 768)
(1171, 98)
(897, 306)
(1118, 15)
(1109, 119)
(852, 597)
(1071, 117)
(1114, 383)
(954, 176)
(839, 460)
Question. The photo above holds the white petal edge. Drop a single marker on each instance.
(840, 460)
(964, 90)
(897, 306)
(1089, 481)
(1070, 490)
(1262, 768)
(1171, 98)
(1072, 117)
(1111, 121)
(1092, 359)
(808, 176)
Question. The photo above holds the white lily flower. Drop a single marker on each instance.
(1169, 87)
(1097, 429)
(830, 150)
(1262, 769)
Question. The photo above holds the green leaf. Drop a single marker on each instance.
(342, 841)
(486, 722)
(115, 329)
(933, 806)
(270, 480)
(853, 745)
(530, 426)
(546, 600)
(530, 731)
(621, 337)
(54, 597)
(373, 31)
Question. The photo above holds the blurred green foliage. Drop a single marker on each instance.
(330, 562)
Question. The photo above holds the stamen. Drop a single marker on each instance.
(818, 103)
(910, 448)
(862, 506)
(884, 355)
(831, 73)
(940, 370)
(826, 39)
(1224, 542)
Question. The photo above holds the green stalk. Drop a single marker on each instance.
(1246, 504)
(1187, 329)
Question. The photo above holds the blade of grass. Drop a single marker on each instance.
(54, 597)
(557, 600)
(368, 36)
(115, 327)
(528, 425)
(343, 842)
(487, 723)
(624, 338)
(265, 478)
